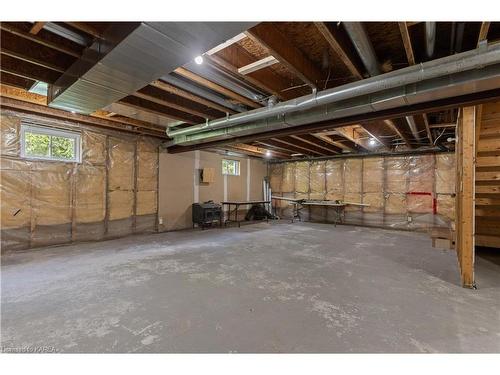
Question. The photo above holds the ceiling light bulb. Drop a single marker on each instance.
(372, 142)
(268, 153)
(198, 60)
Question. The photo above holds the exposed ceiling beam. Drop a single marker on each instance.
(16, 81)
(178, 107)
(401, 133)
(483, 32)
(37, 26)
(378, 130)
(236, 56)
(305, 146)
(32, 60)
(258, 65)
(278, 45)
(405, 35)
(427, 128)
(340, 47)
(259, 151)
(214, 86)
(35, 38)
(340, 141)
(318, 142)
(86, 28)
(187, 95)
(27, 70)
(274, 144)
(142, 105)
(350, 133)
(37, 109)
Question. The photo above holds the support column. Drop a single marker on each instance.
(466, 161)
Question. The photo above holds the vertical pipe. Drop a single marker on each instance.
(430, 38)
(364, 47)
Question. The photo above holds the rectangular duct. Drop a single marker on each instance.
(132, 54)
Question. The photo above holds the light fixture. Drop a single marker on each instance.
(198, 60)
(372, 142)
(268, 153)
(73, 112)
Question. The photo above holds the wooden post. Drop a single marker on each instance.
(465, 152)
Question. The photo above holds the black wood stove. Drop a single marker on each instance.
(207, 213)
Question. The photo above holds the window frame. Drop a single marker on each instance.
(51, 132)
(237, 168)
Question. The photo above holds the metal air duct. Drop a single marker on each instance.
(132, 54)
(469, 72)
(361, 42)
(430, 38)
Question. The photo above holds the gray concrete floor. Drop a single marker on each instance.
(263, 288)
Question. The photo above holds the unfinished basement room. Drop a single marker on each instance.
(250, 187)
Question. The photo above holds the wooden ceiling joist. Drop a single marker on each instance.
(86, 28)
(337, 44)
(318, 142)
(173, 105)
(278, 45)
(306, 147)
(259, 151)
(267, 80)
(350, 133)
(37, 109)
(401, 133)
(216, 87)
(187, 95)
(405, 35)
(35, 38)
(37, 26)
(339, 141)
(284, 147)
(378, 130)
(142, 105)
(483, 32)
(27, 70)
(32, 60)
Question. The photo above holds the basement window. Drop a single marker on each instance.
(39, 142)
(230, 167)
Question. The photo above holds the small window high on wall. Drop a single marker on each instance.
(39, 142)
(231, 167)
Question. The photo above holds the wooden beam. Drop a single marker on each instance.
(187, 95)
(37, 109)
(378, 129)
(340, 48)
(255, 150)
(483, 32)
(479, 115)
(258, 65)
(32, 60)
(27, 70)
(275, 145)
(266, 79)
(427, 128)
(16, 81)
(306, 147)
(214, 86)
(402, 134)
(278, 45)
(173, 105)
(37, 26)
(86, 28)
(465, 217)
(349, 133)
(405, 35)
(35, 38)
(142, 106)
(339, 141)
(318, 142)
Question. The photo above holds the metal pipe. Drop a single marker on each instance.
(364, 47)
(173, 80)
(399, 78)
(459, 36)
(430, 38)
(413, 127)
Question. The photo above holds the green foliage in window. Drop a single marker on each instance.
(63, 148)
(37, 144)
(230, 167)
